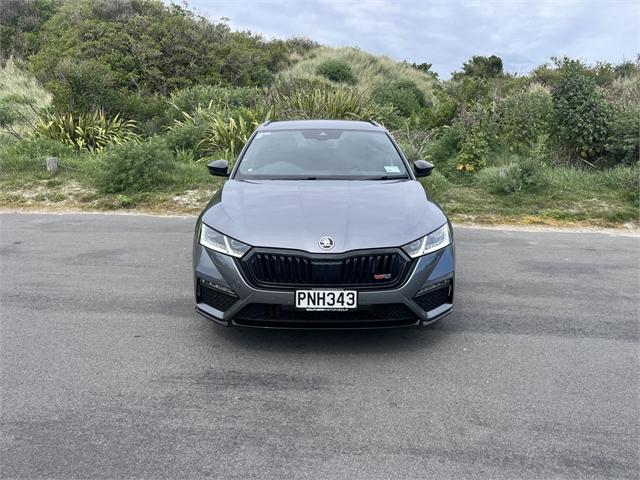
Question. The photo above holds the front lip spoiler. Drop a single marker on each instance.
(224, 323)
(230, 323)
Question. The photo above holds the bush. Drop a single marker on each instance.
(468, 91)
(581, 116)
(523, 117)
(80, 86)
(153, 47)
(473, 152)
(519, 175)
(445, 146)
(339, 103)
(91, 131)
(438, 115)
(337, 71)
(189, 99)
(405, 97)
(188, 132)
(624, 136)
(147, 110)
(137, 167)
(436, 184)
(227, 135)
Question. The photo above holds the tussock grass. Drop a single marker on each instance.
(18, 86)
(368, 69)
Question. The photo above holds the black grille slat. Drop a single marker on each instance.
(263, 269)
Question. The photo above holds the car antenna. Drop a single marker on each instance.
(374, 123)
(266, 123)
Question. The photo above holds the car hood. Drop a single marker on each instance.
(296, 214)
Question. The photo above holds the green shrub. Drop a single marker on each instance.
(438, 115)
(147, 110)
(519, 175)
(137, 167)
(468, 90)
(623, 142)
(436, 184)
(226, 135)
(153, 47)
(29, 154)
(90, 131)
(405, 97)
(581, 115)
(337, 71)
(188, 132)
(473, 152)
(445, 146)
(523, 117)
(339, 103)
(80, 85)
(189, 99)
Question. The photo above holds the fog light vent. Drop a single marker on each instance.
(433, 296)
(216, 296)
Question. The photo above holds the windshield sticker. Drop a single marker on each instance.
(260, 134)
(391, 169)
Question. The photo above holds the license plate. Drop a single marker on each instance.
(325, 300)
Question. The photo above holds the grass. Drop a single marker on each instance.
(18, 84)
(606, 198)
(368, 69)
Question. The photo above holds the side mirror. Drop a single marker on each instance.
(422, 168)
(218, 168)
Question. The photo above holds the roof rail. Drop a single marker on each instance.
(374, 123)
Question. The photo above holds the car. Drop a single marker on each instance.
(323, 224)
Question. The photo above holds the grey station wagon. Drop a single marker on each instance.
(322, 224)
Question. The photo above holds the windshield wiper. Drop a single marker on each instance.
(386, 177)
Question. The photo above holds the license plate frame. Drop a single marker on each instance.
(326, 300)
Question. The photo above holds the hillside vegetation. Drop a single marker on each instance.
(368, 71)
(133, 98)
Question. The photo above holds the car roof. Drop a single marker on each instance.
(320, 124)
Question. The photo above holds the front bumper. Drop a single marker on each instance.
(424, 297)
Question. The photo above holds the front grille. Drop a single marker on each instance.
(434, 298)
(268, 269)
(215, 298)
(373, 316)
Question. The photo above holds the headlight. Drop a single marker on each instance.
(436, 240)
(221, 243)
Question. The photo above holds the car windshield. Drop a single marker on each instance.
(317, 154)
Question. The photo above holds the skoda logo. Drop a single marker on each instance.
(326, 243)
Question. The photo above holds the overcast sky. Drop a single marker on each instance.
(446, 33)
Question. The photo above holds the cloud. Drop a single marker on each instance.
(447, 33)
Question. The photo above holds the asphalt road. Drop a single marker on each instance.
(108, 372)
